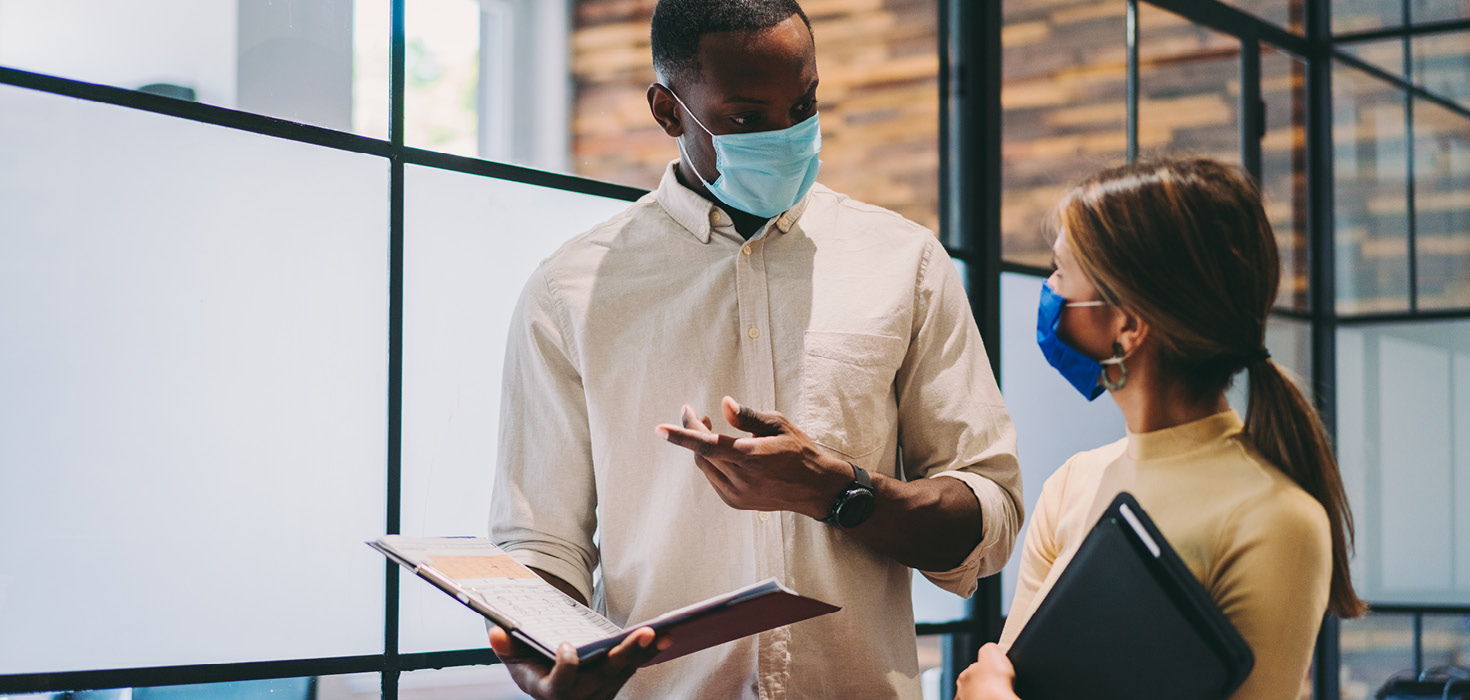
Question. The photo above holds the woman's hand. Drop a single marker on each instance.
(991, 677)
(567, 679)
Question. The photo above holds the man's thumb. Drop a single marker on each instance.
(758, 423)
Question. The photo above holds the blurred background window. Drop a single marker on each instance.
(237, 311)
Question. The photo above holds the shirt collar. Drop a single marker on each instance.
(699, 215)
(1185, 438)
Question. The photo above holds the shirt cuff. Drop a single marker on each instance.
(574, 574)
(999, 522)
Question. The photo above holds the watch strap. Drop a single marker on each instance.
(860, 480)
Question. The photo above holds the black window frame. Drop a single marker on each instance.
(1317, 47)
(970, 133)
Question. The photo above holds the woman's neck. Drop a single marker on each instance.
(1149, 404)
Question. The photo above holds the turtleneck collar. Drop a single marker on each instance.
(1184, 438)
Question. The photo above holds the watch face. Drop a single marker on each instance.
(857, 505)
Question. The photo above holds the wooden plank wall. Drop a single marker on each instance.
(1065, 112)
(879, 98)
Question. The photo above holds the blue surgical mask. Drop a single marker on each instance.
(1081, 371)
(766, 172)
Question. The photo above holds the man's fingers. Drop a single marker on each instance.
(500, 642)
(631, 652)
(564, 673)
(711, 445)
(759, 423)
(720, 481)
(511, 651)
(690, 418)
(716, 476)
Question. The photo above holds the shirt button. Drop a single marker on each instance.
(764, 516)
(745, 250)
(753, 332)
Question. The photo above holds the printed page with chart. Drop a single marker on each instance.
(485, 579)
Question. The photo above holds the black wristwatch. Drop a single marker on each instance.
(855, 503)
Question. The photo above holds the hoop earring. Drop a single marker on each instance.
(1116, 359)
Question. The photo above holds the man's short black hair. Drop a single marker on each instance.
(678, 26)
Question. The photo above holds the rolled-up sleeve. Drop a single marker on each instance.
(953, 422)
(543, 507)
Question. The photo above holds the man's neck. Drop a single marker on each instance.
(746, 225)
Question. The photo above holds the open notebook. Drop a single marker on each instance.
(487, 580)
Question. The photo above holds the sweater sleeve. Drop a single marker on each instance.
(1272, 580)
(1039, 554)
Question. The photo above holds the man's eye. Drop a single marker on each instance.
(806, 107)
(744, 119)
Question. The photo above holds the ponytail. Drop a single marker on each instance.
(1284, 428)
(1186, 245)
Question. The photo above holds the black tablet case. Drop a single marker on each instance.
(1125, 622)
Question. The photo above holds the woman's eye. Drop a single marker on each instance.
(806, 107)
(744, 119)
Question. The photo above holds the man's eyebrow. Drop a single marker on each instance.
(751, 100)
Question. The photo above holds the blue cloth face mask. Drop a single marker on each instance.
(766, 172)
(1081, 371)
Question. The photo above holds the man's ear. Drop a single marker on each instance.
(665, 110)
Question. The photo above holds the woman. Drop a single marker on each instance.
(1165, 274)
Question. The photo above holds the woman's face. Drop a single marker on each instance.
(1090, 329)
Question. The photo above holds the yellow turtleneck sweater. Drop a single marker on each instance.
(1258, 542)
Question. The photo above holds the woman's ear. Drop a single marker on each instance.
(665, 110)
(1130, 330)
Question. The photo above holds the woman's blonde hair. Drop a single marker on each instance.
(1186, 246)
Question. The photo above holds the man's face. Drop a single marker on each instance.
(750, 81)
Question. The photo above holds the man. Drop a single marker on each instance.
(740, 277)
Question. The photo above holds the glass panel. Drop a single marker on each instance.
(1380, 646)
(1370, 207)
(1284, 169)
(358, 686)
(1438, 10)
(1387, 56)
(561, 86)
(477, 682)
(1052, 420)
(194, 391)
(1442, 206)
(1189, 88)
(931, 666)
(1403, 403)
(934, 604)
(1065, 110)
(1446, 640)
(1374, 648)
(470, 244)
(1287, 13)
(1364, 15)
(1442, 65)
(308, 61)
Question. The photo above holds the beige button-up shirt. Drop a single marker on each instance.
(845, 317)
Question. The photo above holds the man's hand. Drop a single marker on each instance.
(567, 679)
(777, 468)
(991, 677)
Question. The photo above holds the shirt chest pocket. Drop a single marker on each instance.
(846, 389)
